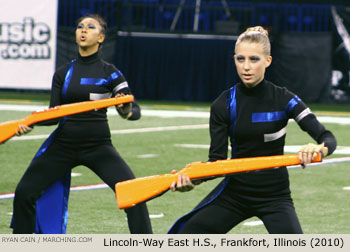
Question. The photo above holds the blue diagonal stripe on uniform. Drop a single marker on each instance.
(276, 115)
(268, 116)
(67, 79)
(291, 104)
(100, 81)
(232, 110)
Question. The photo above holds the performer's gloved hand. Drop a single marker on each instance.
(124, 110)
(309, 152)
(23, 129)
(183, 183)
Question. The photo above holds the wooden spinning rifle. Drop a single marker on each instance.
(134, 191)
(9, 129)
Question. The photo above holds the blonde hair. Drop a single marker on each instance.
(256, 34)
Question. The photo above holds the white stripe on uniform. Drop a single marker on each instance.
(303, 114)
(274, 136)
(96, 96)
(120, 86)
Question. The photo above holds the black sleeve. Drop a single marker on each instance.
(318, 132)
(121, 86)
(218, 127)
(136, 112)
(309, 123)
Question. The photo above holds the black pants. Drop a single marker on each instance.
(225, 212)
(54, 163)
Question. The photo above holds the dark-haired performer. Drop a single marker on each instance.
(81, 139)
(253, 115)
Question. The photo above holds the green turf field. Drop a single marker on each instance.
(322, 204)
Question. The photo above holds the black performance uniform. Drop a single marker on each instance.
(81, 139)
(255, 121)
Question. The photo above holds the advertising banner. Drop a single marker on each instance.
(341, 55)
(27, 43)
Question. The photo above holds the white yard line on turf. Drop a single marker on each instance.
(253, 223)
(72, 189)
(156, 216)
(147, 155)
(27, 108)
(103, 185)
(345, 150)
(169, 113)
(127, 131)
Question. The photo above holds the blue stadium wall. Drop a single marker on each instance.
(181, 65)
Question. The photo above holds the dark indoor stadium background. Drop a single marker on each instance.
(147, 41)
(177, 58)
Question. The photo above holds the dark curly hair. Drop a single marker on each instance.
(98, 18)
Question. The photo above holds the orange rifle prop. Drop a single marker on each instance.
(134, 191)
(9, 129)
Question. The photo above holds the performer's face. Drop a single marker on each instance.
(88, 35)
(251, 62)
